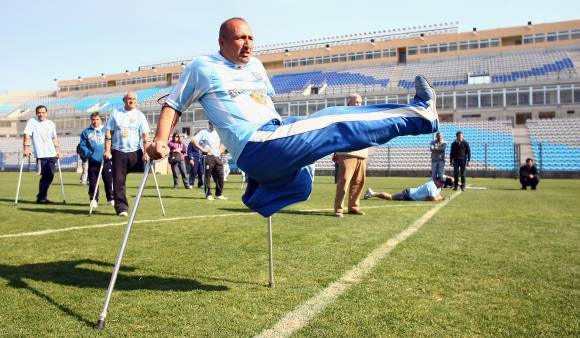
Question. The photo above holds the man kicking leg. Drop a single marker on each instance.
(235, 92)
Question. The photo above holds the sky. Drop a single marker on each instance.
(60, 39)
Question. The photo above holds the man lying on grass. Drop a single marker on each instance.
(430, 191)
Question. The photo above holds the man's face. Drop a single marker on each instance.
(355, 101)
(210, 127)
(439, 137)
(237, 43)
(530, 163)
(96, 121)
(41, 114)
(130, 101)
(460, 138)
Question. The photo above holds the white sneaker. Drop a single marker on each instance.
(209, 198)
(123, 214)
(94, 204)
(370, 193)
(112, 203)
(221, 197)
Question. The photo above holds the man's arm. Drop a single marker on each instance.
(108, 139)
(85, 151)
(167, 120)
(435, 198)
(196, 144)
(56, 143)
(26, 146)
(145, 141)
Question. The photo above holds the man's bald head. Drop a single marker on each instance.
(236, 41)
(130, 100)
(226, 26)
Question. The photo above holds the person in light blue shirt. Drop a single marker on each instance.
(41, 133)
(235, 92)
(430, 191)
(92, 147)
(126, 136)
(209, 143)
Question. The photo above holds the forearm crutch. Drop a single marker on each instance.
(61, 182)
(96, 186)
(101, 321)
(157, 186)
(271, 283)
(19, 180)
(205, 178)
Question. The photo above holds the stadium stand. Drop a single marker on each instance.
(502, 68)
(492, 147)
(556, 144)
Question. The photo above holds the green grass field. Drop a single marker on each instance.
(496, 262)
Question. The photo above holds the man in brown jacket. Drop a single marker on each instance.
(351, 174)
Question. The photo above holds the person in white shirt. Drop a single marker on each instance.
(209, 143)
(430, 191)
(127, 132)
(41, 133)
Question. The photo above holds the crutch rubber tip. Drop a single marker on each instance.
(99, 325)
(63, 202)
(271, 285)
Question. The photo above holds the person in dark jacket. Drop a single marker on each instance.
(459, 158)
(195, 167)
(529, 175)
(91, 147)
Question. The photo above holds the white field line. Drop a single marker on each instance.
(300, 316)
(95, 226)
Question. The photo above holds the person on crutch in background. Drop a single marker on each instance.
(41, 133)
(126, 136)
(92, 147)
(195, 166)
(209, 143)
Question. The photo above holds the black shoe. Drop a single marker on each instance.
(462, 188)
(175, 186)
(524, 188)
(43, 202)
(533, 188)
(454, 188)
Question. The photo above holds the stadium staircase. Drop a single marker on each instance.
(522, 137)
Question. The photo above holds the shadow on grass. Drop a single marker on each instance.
(287, 212)
(58, 202)
(50, 210)
(74, 273)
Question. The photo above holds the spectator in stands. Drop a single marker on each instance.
(92, 146)
(41, 133)
(209, 143)
(235, 91)
(126, 137)
(438, 146)
(177, 152)
(529, 175)
(459, 158)
(430, 191)
(84, 166)
(352, 168)
(195, 167)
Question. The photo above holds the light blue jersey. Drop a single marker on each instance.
(235, 97)
(206, 138)
(42, 134)
(424, 191)
(127, 127)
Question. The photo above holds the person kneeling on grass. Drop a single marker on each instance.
(430, 191)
